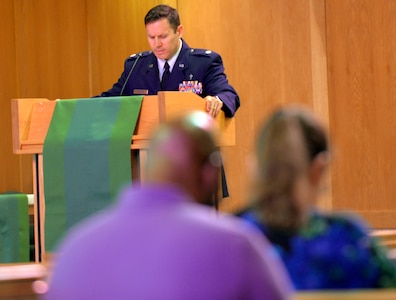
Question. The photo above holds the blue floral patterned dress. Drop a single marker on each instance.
(331, 252)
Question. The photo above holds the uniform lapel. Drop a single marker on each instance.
(181, 66)
(152, 75)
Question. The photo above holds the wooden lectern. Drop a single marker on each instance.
(31, 118)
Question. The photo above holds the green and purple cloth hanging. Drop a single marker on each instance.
(86, 159)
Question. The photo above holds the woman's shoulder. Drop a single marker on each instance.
(341, 220)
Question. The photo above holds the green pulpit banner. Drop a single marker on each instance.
(86, 159)
(14, 228)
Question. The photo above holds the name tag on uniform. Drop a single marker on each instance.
(140, 92)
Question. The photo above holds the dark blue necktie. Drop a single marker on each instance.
(165, 75)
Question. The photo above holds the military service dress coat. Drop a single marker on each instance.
(197, 70)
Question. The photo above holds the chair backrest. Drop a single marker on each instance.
(14, 228)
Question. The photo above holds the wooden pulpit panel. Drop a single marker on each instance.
(31, 119)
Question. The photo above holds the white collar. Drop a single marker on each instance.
(171, 61)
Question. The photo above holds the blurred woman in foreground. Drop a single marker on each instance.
(320, 251)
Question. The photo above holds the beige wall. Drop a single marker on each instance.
(335, 56)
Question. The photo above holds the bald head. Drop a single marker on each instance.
(183, 152)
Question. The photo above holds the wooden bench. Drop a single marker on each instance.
(22, 281)
(28, 282)
(386, 236)
(385, 294)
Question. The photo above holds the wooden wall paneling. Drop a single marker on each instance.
(220, 29)
(116, 30)
(10, 178)
(268, 58)
(362, 72)
(52, 48)
(266, 48)
(320, 99)
(51, 53)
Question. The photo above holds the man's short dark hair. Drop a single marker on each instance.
(163, 11)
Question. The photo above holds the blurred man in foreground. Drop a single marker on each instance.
(163, 241)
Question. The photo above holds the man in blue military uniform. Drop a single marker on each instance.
(172, 65)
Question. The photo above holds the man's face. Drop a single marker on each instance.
(163, 40)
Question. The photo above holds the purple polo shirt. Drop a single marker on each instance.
(156, 243)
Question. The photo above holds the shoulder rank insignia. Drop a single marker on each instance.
(198, 51)
(141, 54)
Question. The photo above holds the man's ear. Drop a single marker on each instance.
(180, 30)
(318, 167)
(210, 176)
(251, 165)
